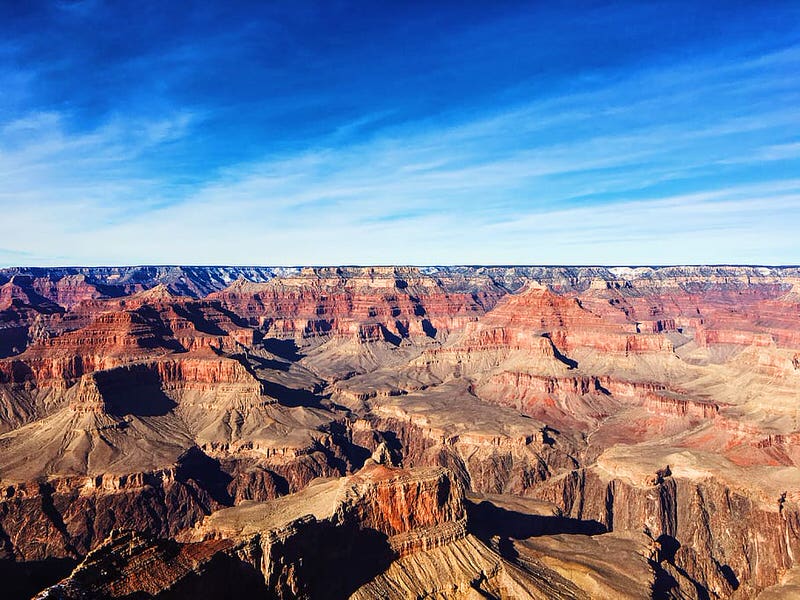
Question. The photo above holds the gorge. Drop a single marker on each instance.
(442, 432)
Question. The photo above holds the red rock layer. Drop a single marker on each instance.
(520, 321)
(380, 303)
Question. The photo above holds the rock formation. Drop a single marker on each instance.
(543, 432)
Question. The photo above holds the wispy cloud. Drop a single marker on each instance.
(688, 161)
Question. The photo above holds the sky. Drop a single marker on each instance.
(429, 133)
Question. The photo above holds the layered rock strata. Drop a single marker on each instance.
(652, 410)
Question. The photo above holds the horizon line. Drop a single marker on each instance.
(398, 265)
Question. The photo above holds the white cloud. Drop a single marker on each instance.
(582, 178)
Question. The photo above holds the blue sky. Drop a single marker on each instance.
(286, 133)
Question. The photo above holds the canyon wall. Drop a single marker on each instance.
(650, 410)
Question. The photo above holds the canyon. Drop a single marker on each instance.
(396, 432)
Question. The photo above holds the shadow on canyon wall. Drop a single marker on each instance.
(22, 580)
(134, 390)
(487, 520)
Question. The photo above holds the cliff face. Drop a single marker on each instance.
(392, 533)
(709, 531)
(372, 304)
(649, 412)
(68, 517)
(325, 541)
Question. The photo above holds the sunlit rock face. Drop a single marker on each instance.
(556, 432)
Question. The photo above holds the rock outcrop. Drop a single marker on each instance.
(323, 542)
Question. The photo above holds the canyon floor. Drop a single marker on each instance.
(400, 432)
